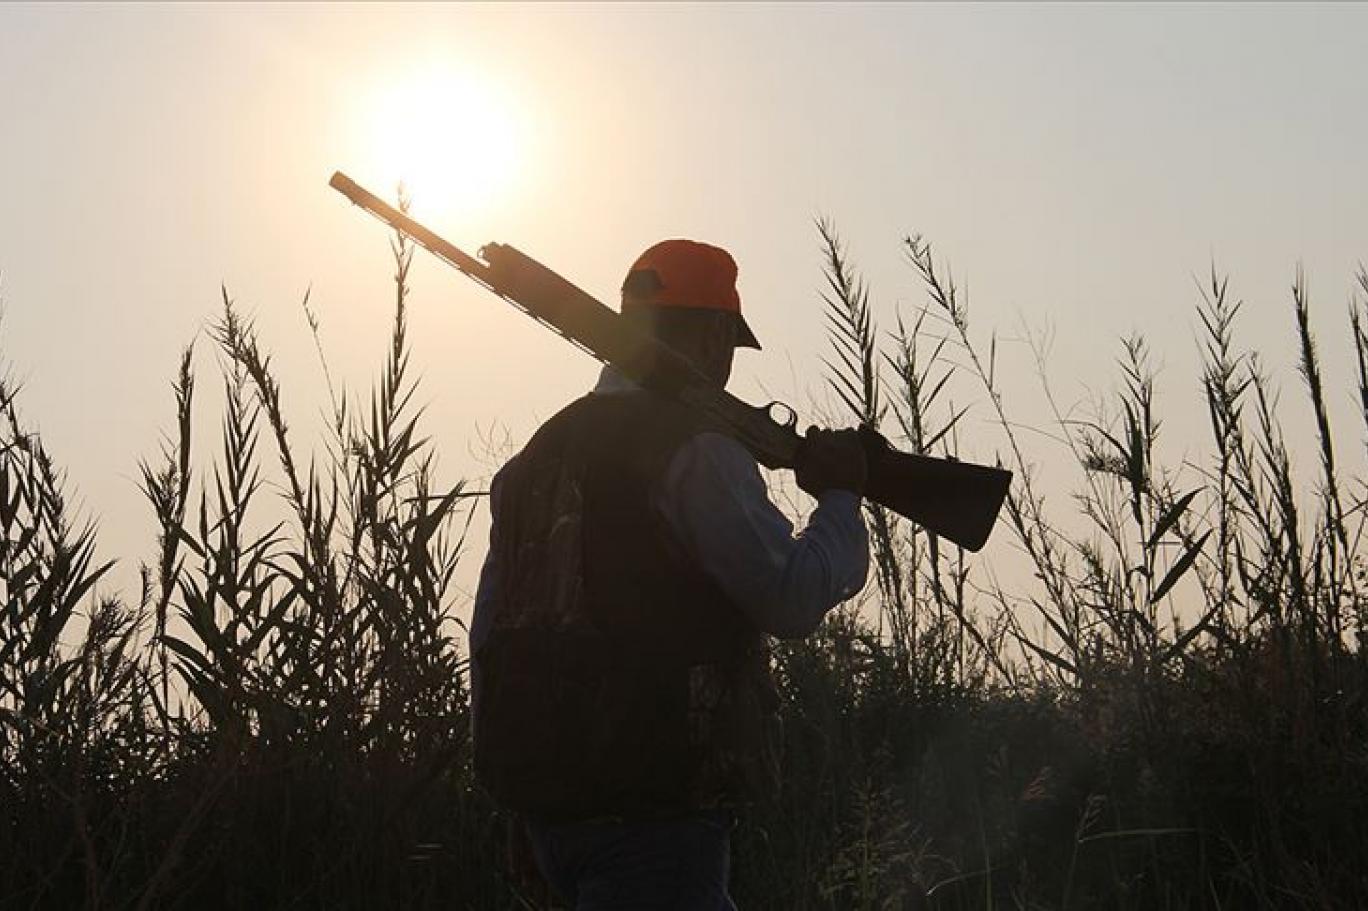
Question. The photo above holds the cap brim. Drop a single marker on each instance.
(745, 338)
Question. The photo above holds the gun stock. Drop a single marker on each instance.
(956, 500)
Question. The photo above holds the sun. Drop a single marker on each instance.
(454, 140)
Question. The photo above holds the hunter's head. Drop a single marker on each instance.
(684, 293)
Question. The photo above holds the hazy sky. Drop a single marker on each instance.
(1078, 164)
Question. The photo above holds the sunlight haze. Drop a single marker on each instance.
(453, 140)
(1079, 166)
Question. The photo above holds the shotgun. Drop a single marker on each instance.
(953, 499)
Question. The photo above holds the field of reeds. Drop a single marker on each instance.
(1168, 712)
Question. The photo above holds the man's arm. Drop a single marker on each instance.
(714, 500)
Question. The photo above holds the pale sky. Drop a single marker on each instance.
(1077, 164)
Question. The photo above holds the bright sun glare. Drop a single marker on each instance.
(454, 140)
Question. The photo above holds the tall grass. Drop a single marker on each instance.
(1165, 710)
(282, 719)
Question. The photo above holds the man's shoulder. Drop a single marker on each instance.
(710, 460)
(636, 427)
(553, 428)
(718, 447)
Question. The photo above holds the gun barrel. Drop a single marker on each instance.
(396, 219)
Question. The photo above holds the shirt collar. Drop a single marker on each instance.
(611, 381)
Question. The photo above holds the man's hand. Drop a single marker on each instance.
(831, 459)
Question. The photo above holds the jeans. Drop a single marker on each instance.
(675, 864)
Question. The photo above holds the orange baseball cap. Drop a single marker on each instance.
(687, 273)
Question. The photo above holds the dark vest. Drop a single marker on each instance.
(617, 679)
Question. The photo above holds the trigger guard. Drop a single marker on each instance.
(782, 414)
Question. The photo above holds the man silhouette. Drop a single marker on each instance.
(622, 696)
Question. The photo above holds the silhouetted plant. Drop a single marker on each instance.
(1166, 710)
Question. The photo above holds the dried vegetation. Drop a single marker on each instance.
(1170, 713)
